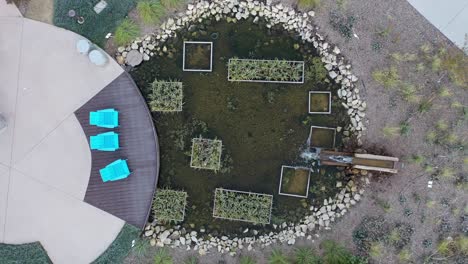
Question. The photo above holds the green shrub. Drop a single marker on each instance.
(337, 254)
(277, 257)
(169, 205)
(126, 32)
(150, 11)
(389, 78)
(307, 4)
(162, 257)
(305, 255)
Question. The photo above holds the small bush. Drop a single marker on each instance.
(389, 78)
(150, 11)
(337, 254)
(342, 24)
(305, 255)
(277, 257)
(405, 129)
(391, 132)
(307, 4)
(371, 229)
(191, 260)
(162, 257)
(126, 32)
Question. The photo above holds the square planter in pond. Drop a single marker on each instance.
(198, 56)
(319, 102)
(166, 96)
(206, 154)
(294, 181)
(322, 137)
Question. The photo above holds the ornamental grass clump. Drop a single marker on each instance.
(150, 11)
(169, 205)
(265, 70)
(206, 154)
(126, 32)
(166, 96)
(242, 206)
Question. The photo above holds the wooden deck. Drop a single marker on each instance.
(129, 199)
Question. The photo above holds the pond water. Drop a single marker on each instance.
(262, 125)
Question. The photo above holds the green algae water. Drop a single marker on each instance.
(262, 125)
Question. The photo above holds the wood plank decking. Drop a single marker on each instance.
(129, 199)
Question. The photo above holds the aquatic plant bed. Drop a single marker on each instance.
(322, 137)
(206, 154)
(242, 206)
(294, 181)
(169, 205)
(166, 96)
(275, 71)
(198, 56)
(319, 102)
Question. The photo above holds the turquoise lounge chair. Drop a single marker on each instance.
(117, 170)
(108, 141)
(108, 118)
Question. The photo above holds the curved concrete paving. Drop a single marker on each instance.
(45, 161)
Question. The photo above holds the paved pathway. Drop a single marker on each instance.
(449, 16)
(45, 161)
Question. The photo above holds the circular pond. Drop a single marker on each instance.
(262, 126)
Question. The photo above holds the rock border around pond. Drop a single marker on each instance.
(338, 70)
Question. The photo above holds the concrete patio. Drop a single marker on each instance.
(45, 161)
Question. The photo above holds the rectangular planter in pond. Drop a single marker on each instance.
(319, 102)
(273, 71)
(198, 56)
(294, 181)
(322, 137)
(242, 206)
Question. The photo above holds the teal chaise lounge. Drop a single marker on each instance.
(108, 118)
(108, 141)
(117, 170)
